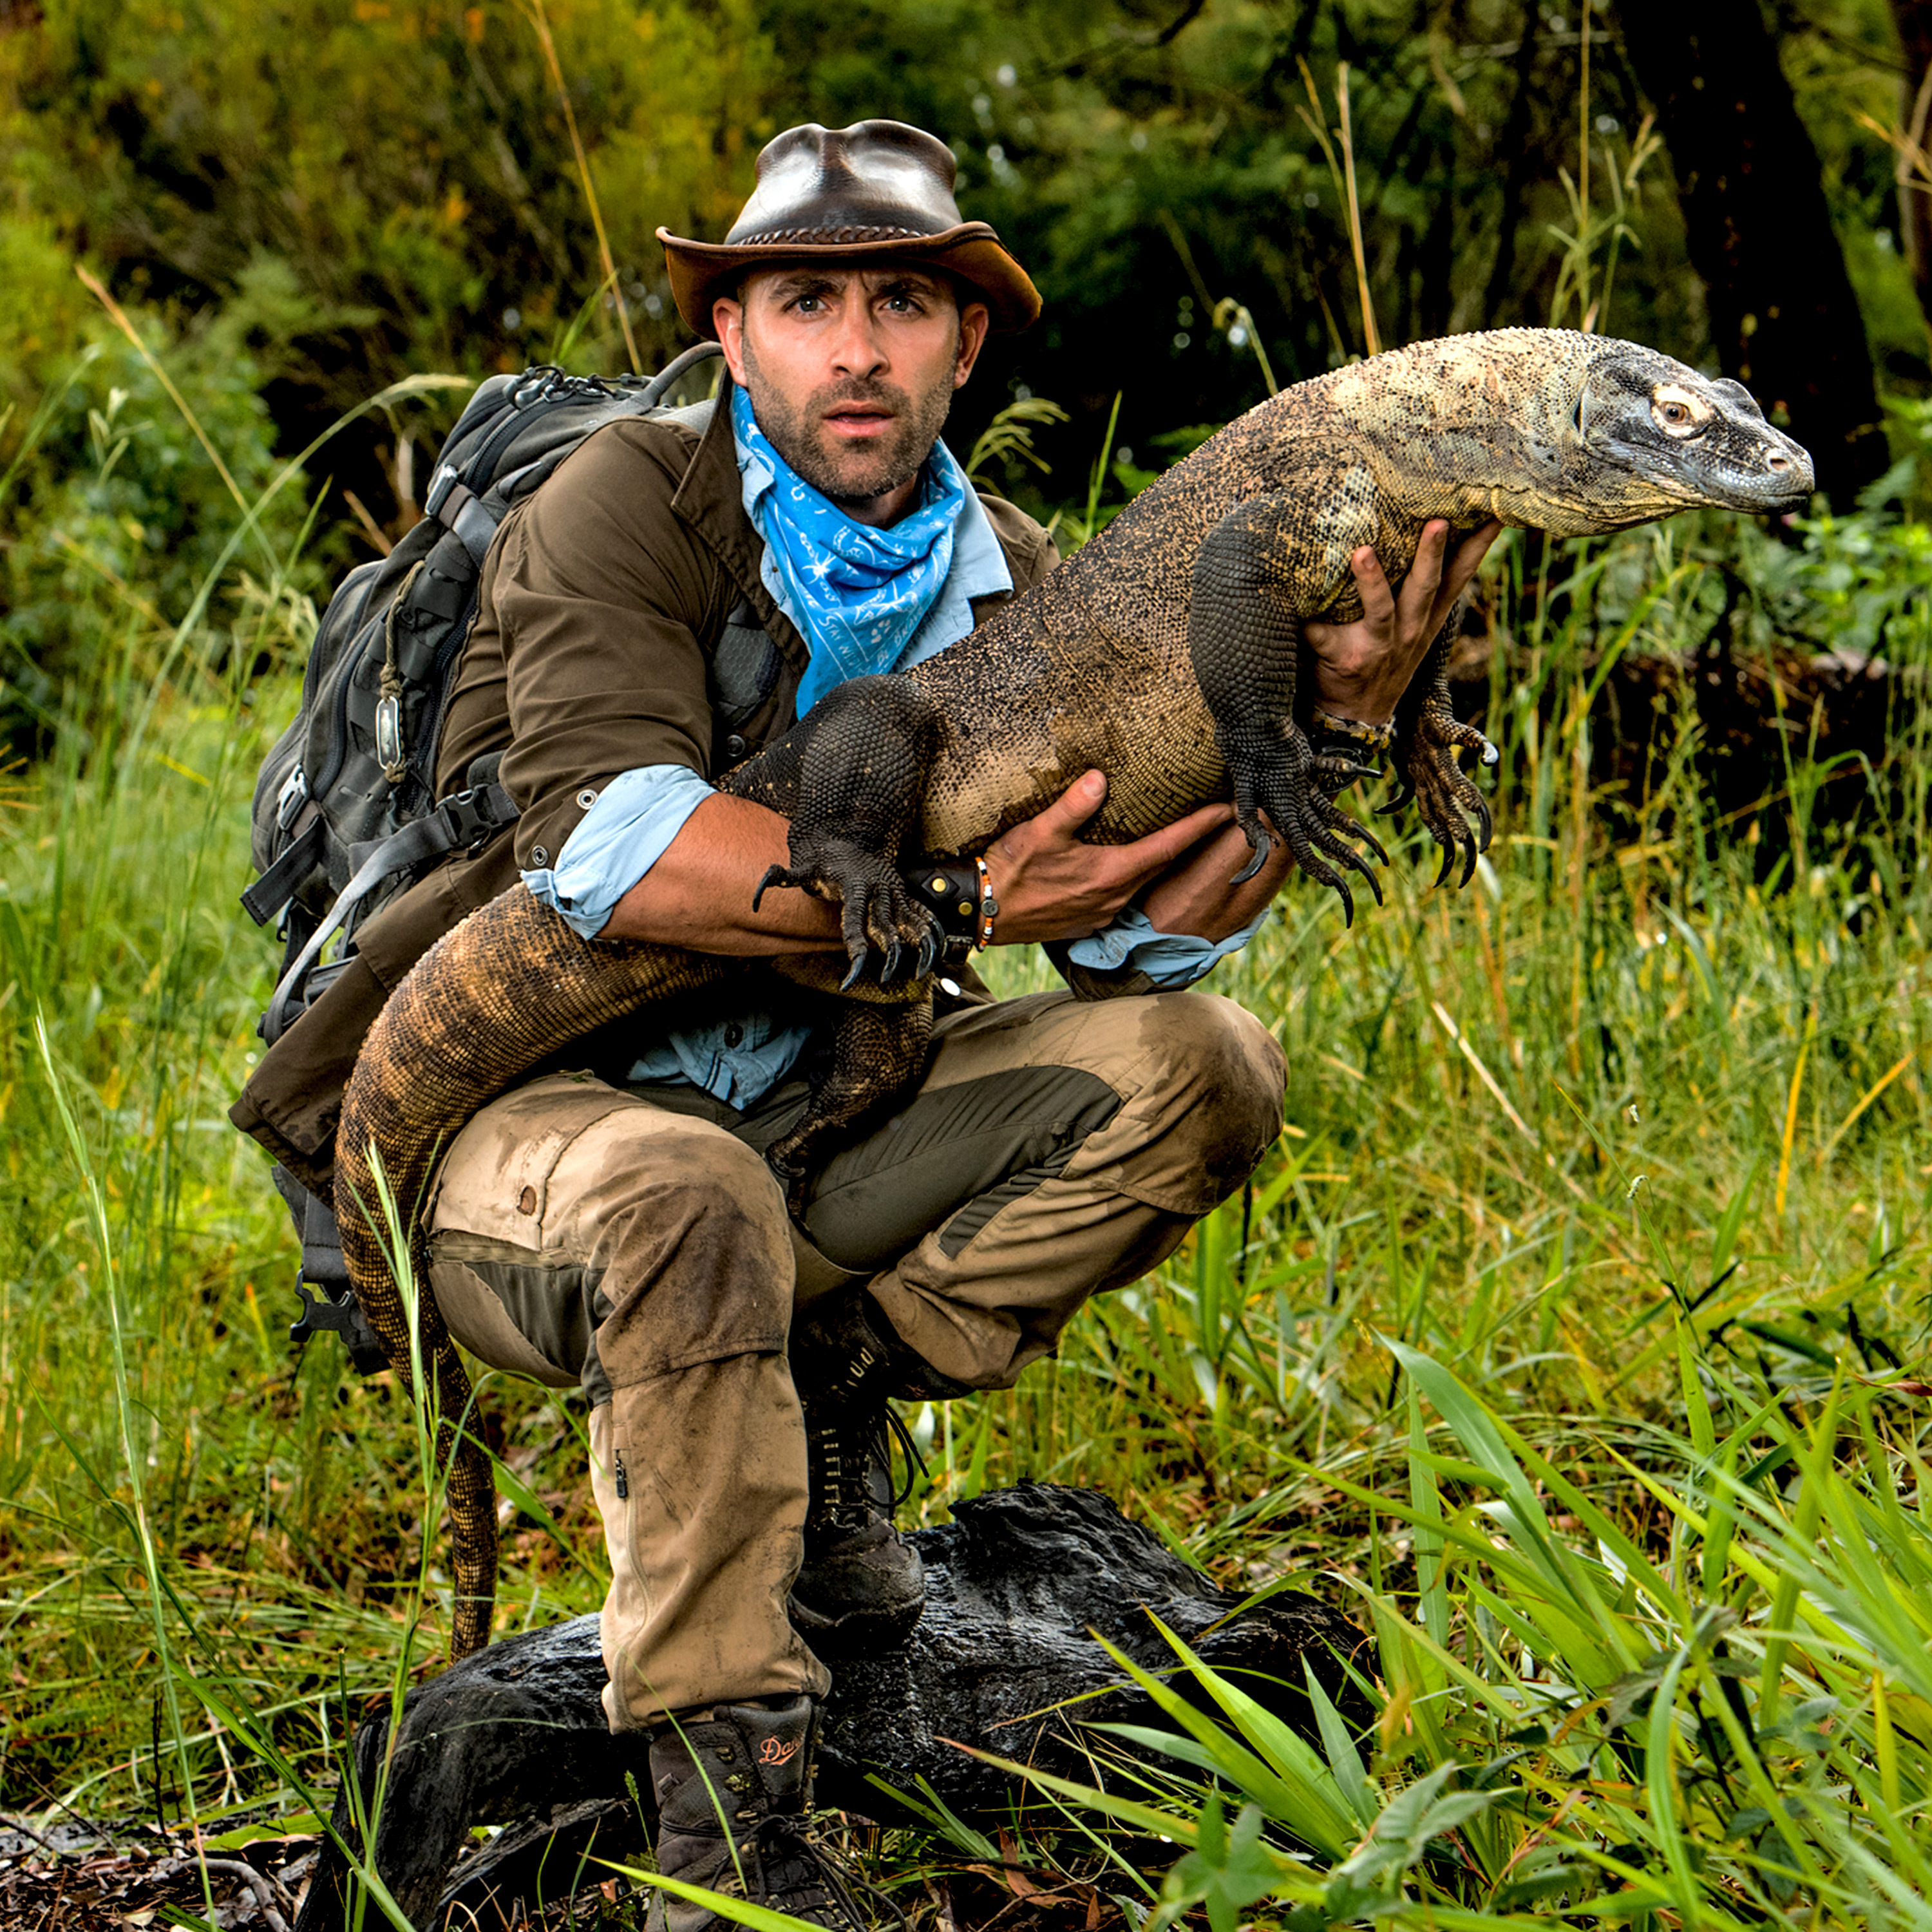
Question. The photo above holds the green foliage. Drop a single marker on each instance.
(1561, 1337)
(406, 160)
(1756, 1057)
(406, 165)
(119, 516)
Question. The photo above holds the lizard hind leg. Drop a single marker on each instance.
(864, 754)
(877, 1049)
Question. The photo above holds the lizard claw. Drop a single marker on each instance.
(1425, 755)
(928, 956)
(857, 972)
(895, 951)
(1405, 791)
(1263, 845)
(775, 875)
(1334, 774)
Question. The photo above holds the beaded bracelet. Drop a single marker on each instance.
(989, 906)
(1373, 739)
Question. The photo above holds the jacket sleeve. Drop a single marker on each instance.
(1030, 552)
(600, 593)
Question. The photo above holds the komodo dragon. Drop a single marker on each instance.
(1165, 653)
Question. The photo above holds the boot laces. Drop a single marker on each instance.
(783, 1857)
(851, 1443)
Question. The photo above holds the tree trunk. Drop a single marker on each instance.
(1784, 319)
(1913, 19)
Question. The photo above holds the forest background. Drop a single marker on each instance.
(1592, 1269)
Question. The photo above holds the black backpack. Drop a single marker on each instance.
(345, 816)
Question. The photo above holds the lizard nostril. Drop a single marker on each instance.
(1777, 462)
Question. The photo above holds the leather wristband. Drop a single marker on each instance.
(951, 892)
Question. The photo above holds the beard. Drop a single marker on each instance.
(850, 475)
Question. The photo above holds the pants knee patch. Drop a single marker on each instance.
(694, 1273)
(1209, 1104)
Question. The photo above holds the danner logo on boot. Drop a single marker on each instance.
(772, 1752)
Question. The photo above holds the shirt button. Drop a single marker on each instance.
(586, 798)
(734, 1034)
(734, 746)
(539, 857)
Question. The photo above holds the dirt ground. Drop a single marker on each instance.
(74, 1877)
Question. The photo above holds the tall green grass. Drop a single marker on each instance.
(1570, 1335)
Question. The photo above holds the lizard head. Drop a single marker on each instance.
(1640, 435)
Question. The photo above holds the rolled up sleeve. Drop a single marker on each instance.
(1171, 960)
(626, 830)
(600, 591)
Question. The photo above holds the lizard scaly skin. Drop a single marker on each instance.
(1166, 652)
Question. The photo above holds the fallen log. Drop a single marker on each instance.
(1015, 1584)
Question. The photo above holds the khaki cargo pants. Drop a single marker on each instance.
(635, 1243)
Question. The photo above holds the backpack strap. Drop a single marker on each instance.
(270, 893)
(464, 818)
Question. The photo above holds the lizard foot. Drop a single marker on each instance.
(1277, 773)
(875, 1050)
(1428, 773)
(877, 914)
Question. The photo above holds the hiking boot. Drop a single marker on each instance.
(862, 1586)
(734, 1785)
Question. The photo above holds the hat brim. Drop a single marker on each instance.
(701, 271)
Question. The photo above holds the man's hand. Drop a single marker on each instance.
(1049, 886)
(1199, 895)
(1363, 668)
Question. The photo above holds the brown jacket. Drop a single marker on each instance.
(594, 650)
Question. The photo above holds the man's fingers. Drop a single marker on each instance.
(1378, 599)
(1468, 558)
(1159, 849)
(1074, 806)
(1424, 579)
(1460, 570)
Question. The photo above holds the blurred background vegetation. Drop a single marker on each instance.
(1633, 1136)
(328, 197)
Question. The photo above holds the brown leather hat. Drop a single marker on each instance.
(878, 188)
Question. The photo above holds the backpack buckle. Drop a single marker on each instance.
(469, 816)
(339, 1314)
(292, 797)
(441, 485)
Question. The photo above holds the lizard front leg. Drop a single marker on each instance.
(863, 757)
(1428, 737)
(1244, 636)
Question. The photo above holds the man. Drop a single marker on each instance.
(670, 601)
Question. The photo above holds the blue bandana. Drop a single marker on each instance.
(857, 593)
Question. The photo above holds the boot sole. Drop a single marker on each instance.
(869, 1629)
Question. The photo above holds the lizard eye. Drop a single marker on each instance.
(1677, 411)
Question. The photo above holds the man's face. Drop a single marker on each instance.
(851, 372)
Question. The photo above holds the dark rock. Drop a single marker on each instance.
(1014, 1584)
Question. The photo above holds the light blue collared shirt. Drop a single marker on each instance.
(638, 813)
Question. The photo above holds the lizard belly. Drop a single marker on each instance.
(1153, 737)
